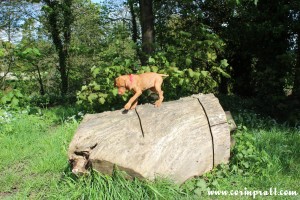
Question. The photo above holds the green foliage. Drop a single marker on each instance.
(246, 160)
(187, 42)
(99, 186)
(7, 53)
(197, 48)
(14, 98)
(254, 1)
(100, 94)
(241, 46)
(6, 48)
(267, 63)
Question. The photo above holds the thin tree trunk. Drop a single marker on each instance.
(61, 42)
(133, 21)
(147, 23)
(68, 20)
(296, 88)
(42, 90)
(134, 27)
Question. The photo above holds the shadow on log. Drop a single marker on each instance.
(179, 140)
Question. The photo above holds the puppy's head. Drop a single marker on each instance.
(122, 84)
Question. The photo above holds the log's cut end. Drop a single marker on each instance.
(179, 140)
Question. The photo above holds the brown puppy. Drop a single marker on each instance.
(139, 83)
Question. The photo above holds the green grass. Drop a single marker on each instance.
(34, 161)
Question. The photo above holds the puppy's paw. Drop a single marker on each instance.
(157, 104)
(133, 107)
(127, 106)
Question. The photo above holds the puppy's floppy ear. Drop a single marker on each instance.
(127, 83)
(115, 83)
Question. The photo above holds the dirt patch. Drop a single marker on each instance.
(10, 193)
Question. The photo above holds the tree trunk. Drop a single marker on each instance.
(223, 88)
(134, 27)
(147, 22)
(68, 20)
(42, 90)
(296, 87)
(133, 21)
(61, 37)
(180, 140)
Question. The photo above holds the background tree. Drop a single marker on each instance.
(295, 19)
(12, 16)
(258, 41)
(134, 12)
(147, 24)
(247, 47)
(30, 55)
(59, 19)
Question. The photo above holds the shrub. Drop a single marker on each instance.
(13, 98)
(101, 95)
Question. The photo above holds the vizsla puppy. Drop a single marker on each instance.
(139, 83)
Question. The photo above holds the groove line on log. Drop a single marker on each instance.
(218, 124)
(140, 122)
(212, 137)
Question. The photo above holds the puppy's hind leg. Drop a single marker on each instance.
(160, 99)
(160, 93)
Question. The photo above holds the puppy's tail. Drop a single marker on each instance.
(164, 75)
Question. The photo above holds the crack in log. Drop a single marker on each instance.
(140, 122)
(84, 154)
(218, 124)
(93, 147)
(212, 137)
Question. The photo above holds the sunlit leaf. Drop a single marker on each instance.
(14, 102)
(198, 191)
(190, 72)
(95, 71)
(92, 97)
(211, 56)
(1, 52)
(151, 60)
(115, 91)
(4, 99)
(97, 87)
(101, 100)
(188, 61)
(201, 184)
(224, 63)
(154, 68)
(204, 73)
(84, 87)
(221, 71)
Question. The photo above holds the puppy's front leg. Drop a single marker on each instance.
(132, 99)
(133, 106)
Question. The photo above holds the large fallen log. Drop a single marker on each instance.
(179, 140)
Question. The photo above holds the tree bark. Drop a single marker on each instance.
(133, 21)
(134, 27)
(42, 90)
(147, 23)
(145, 144)
(296, 87)
(61, 36)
